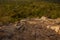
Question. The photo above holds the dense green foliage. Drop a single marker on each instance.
(13, 11)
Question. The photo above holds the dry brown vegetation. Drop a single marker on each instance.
(11, 11)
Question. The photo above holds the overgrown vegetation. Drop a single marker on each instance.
(13, 11)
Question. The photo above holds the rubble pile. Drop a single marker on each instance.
(31, 29)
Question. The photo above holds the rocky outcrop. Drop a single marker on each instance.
(31, 29)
